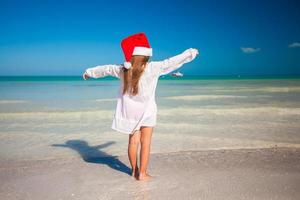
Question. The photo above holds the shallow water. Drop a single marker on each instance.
(39, 117)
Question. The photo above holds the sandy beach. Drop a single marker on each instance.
(271, 173)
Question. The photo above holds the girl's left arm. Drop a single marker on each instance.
(104, 70)
(168, 65)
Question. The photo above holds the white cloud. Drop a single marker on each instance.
(294, 45)
(250, 49)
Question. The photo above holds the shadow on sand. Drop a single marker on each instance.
(93, 154)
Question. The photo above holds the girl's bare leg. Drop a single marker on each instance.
(146, 135)
(133, 144)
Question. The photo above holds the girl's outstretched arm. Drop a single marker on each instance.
(103, 70)
(168, 65)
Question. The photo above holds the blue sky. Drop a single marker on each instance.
(257, 37)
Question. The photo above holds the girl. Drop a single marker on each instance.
(136, 108)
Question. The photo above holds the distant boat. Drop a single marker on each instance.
(177, 74)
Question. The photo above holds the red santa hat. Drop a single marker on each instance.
(136, 44)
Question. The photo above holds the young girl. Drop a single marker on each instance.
(136, 108)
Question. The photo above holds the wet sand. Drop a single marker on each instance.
(270, 173)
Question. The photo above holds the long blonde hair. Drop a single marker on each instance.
(134, 73)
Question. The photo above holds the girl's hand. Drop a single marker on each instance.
(85, 76)
(194, 51)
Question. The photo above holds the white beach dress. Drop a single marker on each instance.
(132, 112)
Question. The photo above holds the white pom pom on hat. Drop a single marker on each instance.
(127, 65)
(136, 44)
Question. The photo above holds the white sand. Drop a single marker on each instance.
(223, 174)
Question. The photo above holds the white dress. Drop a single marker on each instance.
(132, 112)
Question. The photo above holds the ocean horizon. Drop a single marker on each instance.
(166, 77)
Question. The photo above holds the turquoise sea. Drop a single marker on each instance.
(194, 113)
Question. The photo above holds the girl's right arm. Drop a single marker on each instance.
(102, 71)
(168, 65)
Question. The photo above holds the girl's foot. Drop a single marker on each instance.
(135, 173)
(144, 177)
